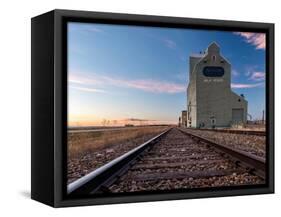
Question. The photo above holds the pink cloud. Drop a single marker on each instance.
(84, 80)
(245, 86)
(257, 76)
(147, 85)
(154, 86)
(86, 89)
(256, 39)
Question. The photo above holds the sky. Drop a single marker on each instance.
(120, 74)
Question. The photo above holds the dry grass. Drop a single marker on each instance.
(257, 127)
(81, 143)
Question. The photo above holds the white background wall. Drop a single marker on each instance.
(15, 106)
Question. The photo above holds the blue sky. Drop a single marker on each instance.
(118, 72)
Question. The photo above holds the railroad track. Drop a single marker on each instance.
(245, 132)
(174, 159)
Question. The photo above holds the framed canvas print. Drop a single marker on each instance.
(131, 108)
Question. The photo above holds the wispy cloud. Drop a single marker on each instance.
(147, 85)
(255, 73)
(95, 29)
(77, 78)
(86, 28)
(245, 86)
(155, 86)
(256, 39)
(182, 76)
(75, 81)
(169, 43)
(235, 73)
(86, 89)
(257, 76)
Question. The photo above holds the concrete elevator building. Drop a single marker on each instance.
(210, 100)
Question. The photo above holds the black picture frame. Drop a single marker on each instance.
(49, 104)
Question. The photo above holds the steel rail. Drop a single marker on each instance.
(105, 175)
(254, 164)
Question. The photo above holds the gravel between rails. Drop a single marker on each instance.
(86, 163)
(253, 144)
(184, 167)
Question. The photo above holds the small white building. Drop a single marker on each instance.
(210, 100)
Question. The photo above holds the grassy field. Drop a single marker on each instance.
(84, 142)
(257, 127)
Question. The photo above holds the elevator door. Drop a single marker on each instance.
(237, 116)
